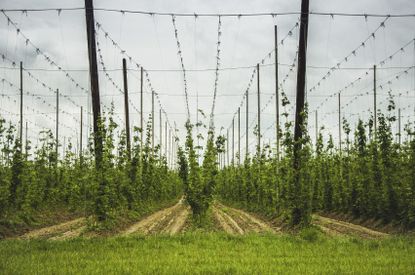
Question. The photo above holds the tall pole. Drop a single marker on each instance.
(152, 119)
(57, 123)
(246, 126)
(81, 136)
(165, 139)
(227, 147)
(301, 75)
(277, 96)
(126, 107)
(340, 127)
(169, 159)
(233, 139)
(141, 105)
(316, 128)
(175, 146)
(161, 132)
(374, 99)
(21, 105)
(93, 73)
(259, 110)
(26, 141)
(239, 135)
(300, 214)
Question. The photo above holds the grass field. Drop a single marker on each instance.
(197, 253)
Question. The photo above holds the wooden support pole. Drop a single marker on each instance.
(81, 136)
(259, 110)
(340, 126)
(161, 133)
(239, 135)
(141, 107)
(152, 120)
(277, 95)
(299, 211)
(93, 73)
(21, 106)
(165, 139)
(227, 147)
(170, 143)
(57, 123)
(175, 146)
(126, 107)
(26, 142)
(233, 140)
(374, 100)
(246, 126)
(316, 128)
(301, 75)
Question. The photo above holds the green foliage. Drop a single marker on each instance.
(199, 181)
(372, 177)
(36, 180)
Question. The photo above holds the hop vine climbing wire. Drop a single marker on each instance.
(49, 118)
(215, 89)
(109, 78)
(138, 66)
(48, 59)
(44, 85)
(262, 61)
(180, 54)
(352, 53)
(359, 78)
(39, 51)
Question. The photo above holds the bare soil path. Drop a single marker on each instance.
(170, 221)
(335, 227)
(66, 230)
(238, 222)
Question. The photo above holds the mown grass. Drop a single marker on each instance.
(211, 253)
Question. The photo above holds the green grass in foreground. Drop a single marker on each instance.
(194, 253)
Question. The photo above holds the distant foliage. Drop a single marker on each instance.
(31, 180)
(372, 177)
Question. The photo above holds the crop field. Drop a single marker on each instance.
(198, 137)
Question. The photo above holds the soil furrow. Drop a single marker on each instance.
(163, 224)
(70, 234)
(223, 222)
(150, 221)
(177, 223)
(232, 223)
(70, 229)
(169, 220)
(241, 221)
(344, 228)
(255, 222)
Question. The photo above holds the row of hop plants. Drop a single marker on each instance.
(373, 177)
(199, 180)
(33, 179)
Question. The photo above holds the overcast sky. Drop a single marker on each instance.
(245, 41)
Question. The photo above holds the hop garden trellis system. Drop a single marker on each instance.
(168, 140)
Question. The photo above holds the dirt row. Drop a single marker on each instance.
(167, 221)
(334, 227)
(238, 222)
(173, 220)
(62, 231)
